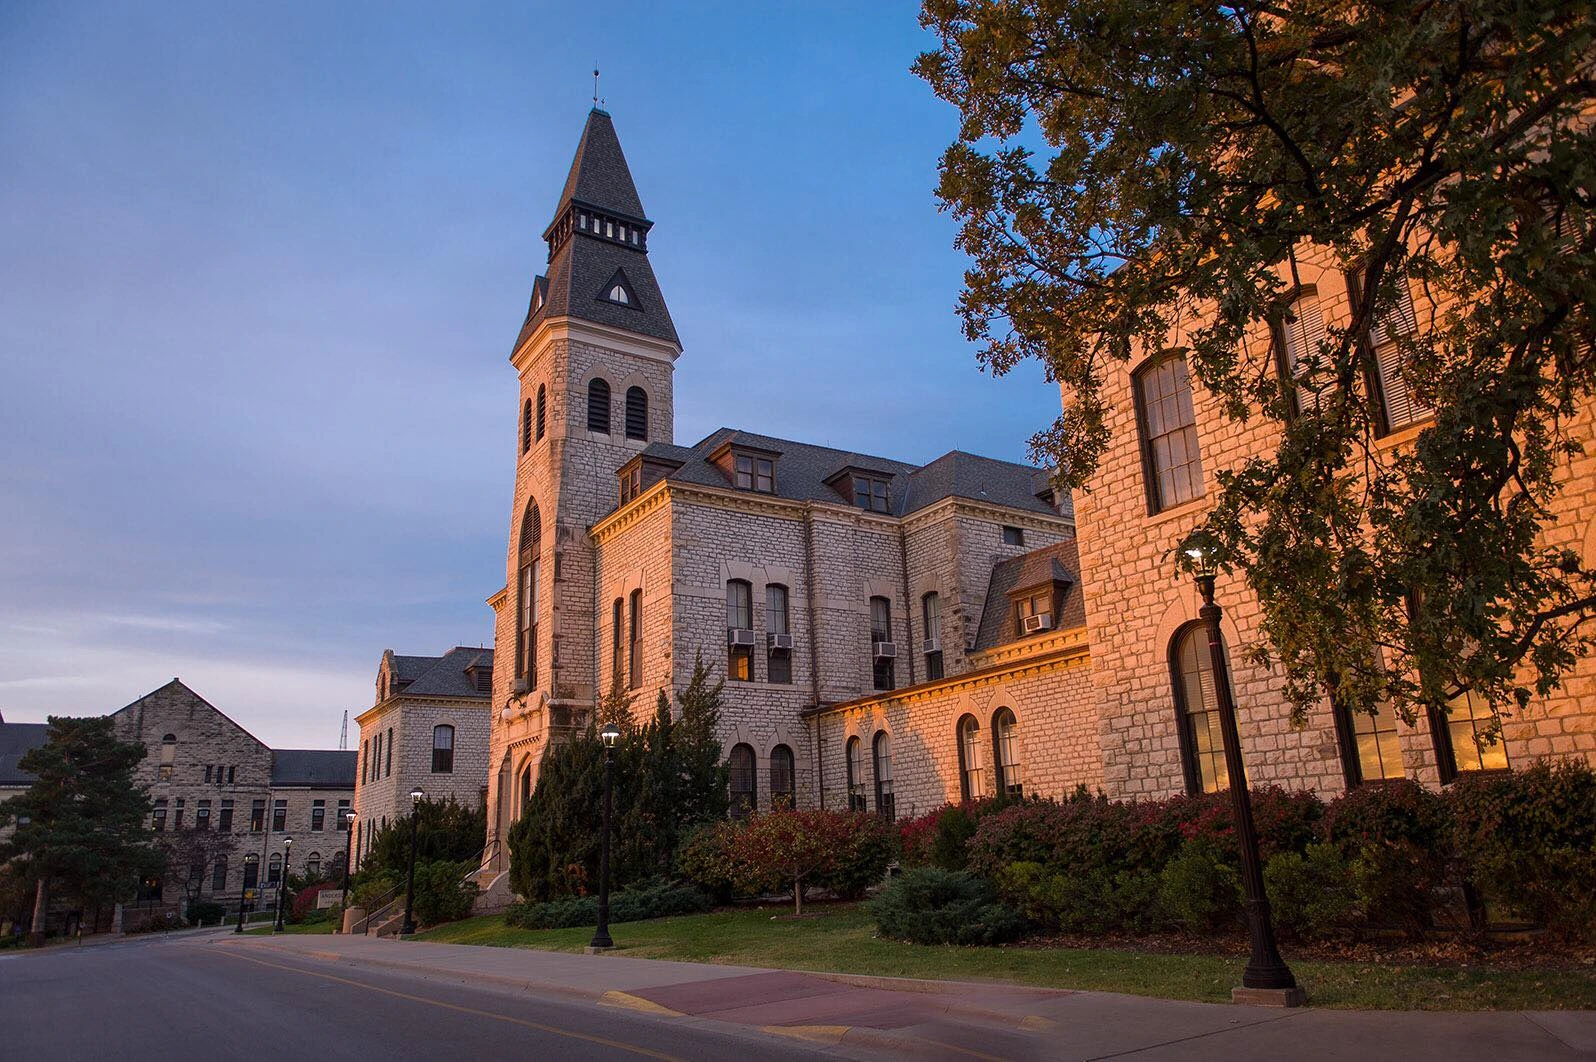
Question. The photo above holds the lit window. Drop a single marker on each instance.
(856, 787)
(1174, 467)
(1470, 735)
(972, 784)
(779, 658)
(739, 630)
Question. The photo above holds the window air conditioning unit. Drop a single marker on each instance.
(885, 650)
(780, 641)
(933, 644)
(1042, 621)
(738, 636)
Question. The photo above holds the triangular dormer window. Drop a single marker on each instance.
(619, 291)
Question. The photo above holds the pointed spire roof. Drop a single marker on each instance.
(599, 175)
(598, 267)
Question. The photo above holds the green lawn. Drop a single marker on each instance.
(842, 939)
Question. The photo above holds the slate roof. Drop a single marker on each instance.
(581, 268)
(1059, 562)
(317, 768)
(802, 470)
(444, 676)
(16, 741)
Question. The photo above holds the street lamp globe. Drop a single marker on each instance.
(1203, 563)
(610, 735)
(417, 796)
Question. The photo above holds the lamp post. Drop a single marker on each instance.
(1267, 978)
(409, 926)
(250, 860)
(282, 883)
(349, 849)
(601, 936)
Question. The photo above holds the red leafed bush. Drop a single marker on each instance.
(305, 900)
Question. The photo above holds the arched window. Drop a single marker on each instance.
(1006, 754)
(168, 755)
(972, 784)
(618, 294)
(598, 406)
(636, 413)
(636, 632)
(856, 787)
(274, 869)
(524, 790)
(542, 413)
(313, 865)
(443, 749)
(526, 425)
(529, 586)
(783, 790)
(743, 801)
(1197, 710)
(219, 874)
(881, 755)
(617, 643)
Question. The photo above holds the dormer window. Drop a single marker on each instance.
(871, 493)
(581, 221)
(1036, 609)
(619, 291)
(618, 294)
(755, 473)
(631, 481)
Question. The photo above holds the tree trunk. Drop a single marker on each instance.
(41, 905)
(798, 897)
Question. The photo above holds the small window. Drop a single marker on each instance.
(743, 797)
(313, 865)
(168, 755)
(881, 753)
(778, 635)
(1013, 536)
(972, 783)
(158, 821)
(631, 483)
(343, 815)
(739, 629)
(387, 748)
(177, 815)
(1197, 709)
(931, 617)
(1006, 754)
(526, 426)
(1028, 606)
(755, 473)
(225, 820)
(542, 412)
(279, 816)
(871, 493)
(1173, 465)
(274, 869)
(636, 413)
(782, 787)
(318, 816)
(882, 651)
(219, 874)
(598, 406)
(257, 816)
(202, 815)
(856, 786)
(636, 631)
(232, 773)
(443, 749)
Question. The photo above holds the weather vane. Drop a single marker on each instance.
(595, 85)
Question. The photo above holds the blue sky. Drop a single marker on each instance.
(261, 266)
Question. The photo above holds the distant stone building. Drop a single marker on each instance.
(428, 730)
(220, 794)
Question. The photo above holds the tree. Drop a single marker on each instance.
(1141, 175)
(85, 835)
(795, 849)
(190, 855)
(445, 830)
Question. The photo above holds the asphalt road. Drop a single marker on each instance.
(190, 998)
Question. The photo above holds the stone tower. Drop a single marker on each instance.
(594, 360)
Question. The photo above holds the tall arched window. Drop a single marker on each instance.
(856, 786)
(1197, 710)
(526, 425)
(542, 414)
(617, 642)
(635, 631)
(783, 789)
(743, 800)
(313, 865)
(598, 406)
(972, 784)
(529, 584)
(219, 874)
(524, 790)
(168, 755)
(881, 755)
(1006, 754)
(636, 413)
(443, 749)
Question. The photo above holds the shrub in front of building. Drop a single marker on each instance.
(929, 905)
(659, 900)
(1395, 835)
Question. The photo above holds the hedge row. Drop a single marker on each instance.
(630, 905)
(1387, 855)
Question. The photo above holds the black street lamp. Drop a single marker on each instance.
(349, 850)
(250, 860)
(409, 926)
(1267, 978)
(282, 883)
(601, 936)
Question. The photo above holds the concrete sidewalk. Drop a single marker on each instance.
(960, 1019)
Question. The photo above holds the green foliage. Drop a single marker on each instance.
(371, 891)
(1529, 841)
(1128, 171)
(1315, 894)
(445, 830)
(86, 834)
(668, 779)
(631, 905)
(205, 913)
(705, 860)
(442, 894)
(861, 859)
(1395, 833)
(1199, 889)
(1093, 900)
(792, 850)
(928, 905)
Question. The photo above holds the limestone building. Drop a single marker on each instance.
(428, 730)
(220, 795)
(807, 576)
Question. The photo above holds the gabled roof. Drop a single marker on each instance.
(804, 472)
(16, 741)
(1060, 563)
(443, 676)
(317, 768)
(184, 688)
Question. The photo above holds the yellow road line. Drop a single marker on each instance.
(601, 1041)
(616, 998)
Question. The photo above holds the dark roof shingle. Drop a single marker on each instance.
(1059, 562)
(317, 768)
(16, 741)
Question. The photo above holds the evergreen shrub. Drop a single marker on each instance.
(928, 905)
